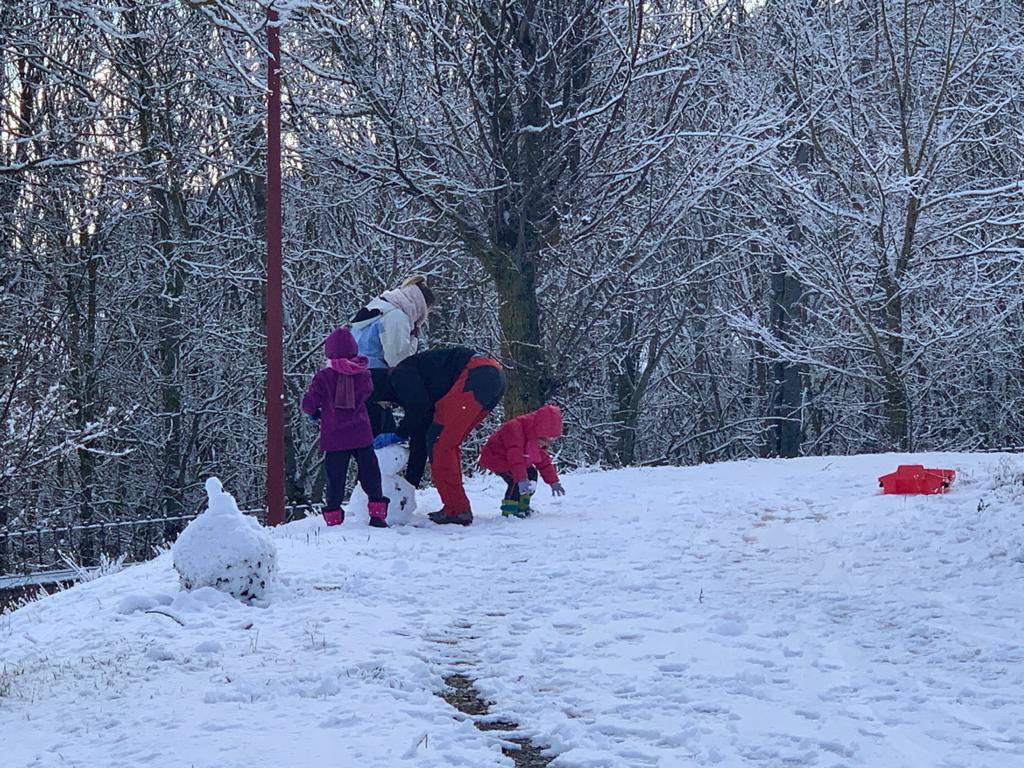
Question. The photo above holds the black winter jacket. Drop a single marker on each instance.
(420, 380)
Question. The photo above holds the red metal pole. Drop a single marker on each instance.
(274, 319)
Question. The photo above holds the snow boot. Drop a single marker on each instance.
(515, 508)
(379, 513)
(442, 517)
(334, 516)
(524, 505)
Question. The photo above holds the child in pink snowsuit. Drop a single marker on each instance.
(337, 399)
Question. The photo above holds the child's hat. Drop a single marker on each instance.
(340, 344)
(547, 421)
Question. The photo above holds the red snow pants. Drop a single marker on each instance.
(474, 395)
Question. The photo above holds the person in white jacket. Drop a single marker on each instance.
(387, 331)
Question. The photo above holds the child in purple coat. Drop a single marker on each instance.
(337, 399)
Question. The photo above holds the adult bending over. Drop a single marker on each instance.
(445, 394)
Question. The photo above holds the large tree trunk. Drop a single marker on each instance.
(522, 210)
(625, 381)
(521, 343)
(169, 206)
(787, 376)
(897, 401)
(786, 297)
(80, 280)
(10, 193)
(87, 412)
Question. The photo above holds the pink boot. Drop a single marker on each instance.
(379, 513)
(334, 516)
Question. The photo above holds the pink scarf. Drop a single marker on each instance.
(410, 300)
(345, 389)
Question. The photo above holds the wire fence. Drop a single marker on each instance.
(58, 547)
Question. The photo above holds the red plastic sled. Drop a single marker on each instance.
(914, 478)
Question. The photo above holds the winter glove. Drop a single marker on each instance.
(525, 488)
(557, 490)
(385, 439)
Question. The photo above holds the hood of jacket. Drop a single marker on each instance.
(546, 421)
(340, 344)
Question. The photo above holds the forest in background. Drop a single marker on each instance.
(708, 230)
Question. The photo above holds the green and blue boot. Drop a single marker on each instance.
(509, 508)
(516, 507)
(524, 505)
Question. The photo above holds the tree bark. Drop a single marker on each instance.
(786, 384)
(625, 375)
(170, 331)
(521, 342)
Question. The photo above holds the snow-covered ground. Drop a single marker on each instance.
(772, 613)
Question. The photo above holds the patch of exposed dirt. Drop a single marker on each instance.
(461, 693)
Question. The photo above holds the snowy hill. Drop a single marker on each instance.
(773, 613)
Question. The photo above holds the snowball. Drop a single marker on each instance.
(392, 461)
(223, 548)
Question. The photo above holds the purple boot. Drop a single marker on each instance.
(378, 513)
(334, 516)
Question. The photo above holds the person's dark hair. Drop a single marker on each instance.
(420, 281)
(428, 295)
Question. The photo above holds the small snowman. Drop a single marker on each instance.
(392, 461)
(224, 549)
